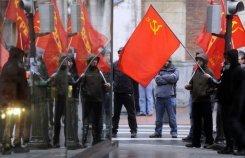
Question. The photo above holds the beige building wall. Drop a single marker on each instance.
(174, 14)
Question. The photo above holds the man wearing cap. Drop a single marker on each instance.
(123, 95)
(201, 89)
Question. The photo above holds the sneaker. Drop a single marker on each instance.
(142, 114)
(155, 135)
(174, 136)
(187, 139)
(133, 135)
(192, 146)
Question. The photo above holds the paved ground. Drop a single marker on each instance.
(142, 146)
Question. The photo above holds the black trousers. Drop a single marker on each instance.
(202, 111)
(128, 101)
(226, 116)
(59, 112)
(93, 110)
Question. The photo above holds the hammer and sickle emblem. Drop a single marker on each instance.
(154, 26)
(235, 27)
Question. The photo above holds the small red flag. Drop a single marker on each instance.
(149, 47)
(17, 15)
(88, 41)
(238, 33)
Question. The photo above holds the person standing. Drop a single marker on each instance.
(93, 89)
(146, 101)
(166, 99)
(14, 101)
(201, 103)
(229, 94)
(123, 95)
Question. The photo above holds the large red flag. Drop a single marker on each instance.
(149, 47)
(88, 41)
(17, 15)
(4, 55)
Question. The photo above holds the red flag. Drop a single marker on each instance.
(238, 33)
(152, 43)
(16, 14)
(88, 41)
(54, 44)
(4, 55)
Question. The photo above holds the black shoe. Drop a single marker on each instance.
(19, 149)
(226, 151)
(56, 145)
(155, 135)
(240, 153)
(187, 139)
(7, 149)
(192, 146)
(114, 135)
(133, 135)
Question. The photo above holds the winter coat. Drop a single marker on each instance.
(166, 82)
(92, 85)
(122, 83)
(229, 90)
(201, 86)
(13, 81)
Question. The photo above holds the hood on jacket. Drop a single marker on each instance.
(16, 53)
(203, 57)
(232, 57)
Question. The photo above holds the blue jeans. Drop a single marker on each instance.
(146, 100)
(167, 104)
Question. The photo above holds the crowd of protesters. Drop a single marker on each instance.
(227, 94)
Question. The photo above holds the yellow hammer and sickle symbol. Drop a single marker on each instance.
(235, 27)
(154, 26)
(213, 39)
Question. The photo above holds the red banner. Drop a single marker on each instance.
(152, 43)
(17, 15)
(88, 41)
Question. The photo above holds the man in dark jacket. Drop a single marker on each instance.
(13, 97)
(123, 95)
(229, 94)
(201, 103)
(93, 87)
(166, 99)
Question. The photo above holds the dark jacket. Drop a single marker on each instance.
(201, 86)
(166, 82)
(229, 90)
(92, 85)
(13, 82)
(122, 83)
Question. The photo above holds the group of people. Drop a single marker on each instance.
(94, 88)
(229, 94)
